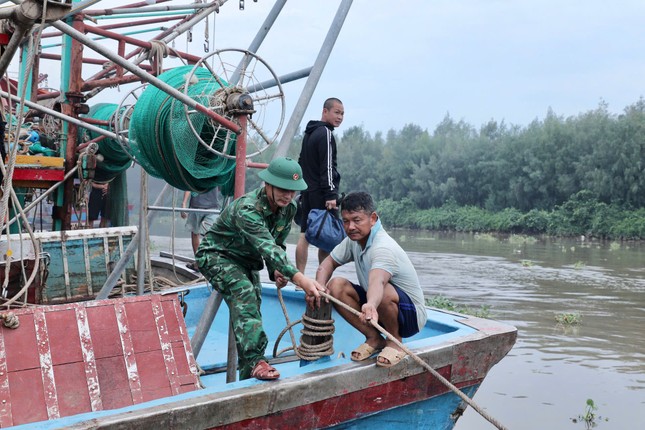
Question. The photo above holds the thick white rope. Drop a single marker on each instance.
(8, 173)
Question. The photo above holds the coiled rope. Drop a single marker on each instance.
(316, 328)
(158, 51)
(10, 320)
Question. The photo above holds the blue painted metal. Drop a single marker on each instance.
(79, 261)
(442, 327)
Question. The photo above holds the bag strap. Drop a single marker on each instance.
(322, 224)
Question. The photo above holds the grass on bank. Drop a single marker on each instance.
(581, 215)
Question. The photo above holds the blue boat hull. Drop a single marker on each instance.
(426, 414)
(333, 392)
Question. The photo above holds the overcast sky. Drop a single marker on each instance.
(414, 61)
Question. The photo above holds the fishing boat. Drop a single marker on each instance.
(97, 334)
(331, 392)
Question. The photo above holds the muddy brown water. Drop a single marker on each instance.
(546, 379)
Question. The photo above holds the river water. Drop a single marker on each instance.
(546, 379)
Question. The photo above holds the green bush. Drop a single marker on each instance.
(397, 214)
(509, 220)
(534, 222)
(582, 214)
(631, 225)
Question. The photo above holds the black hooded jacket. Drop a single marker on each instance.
(318, 160)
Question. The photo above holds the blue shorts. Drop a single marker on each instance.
(407, 311)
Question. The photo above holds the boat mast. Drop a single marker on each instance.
(313, 79)
(75, 91)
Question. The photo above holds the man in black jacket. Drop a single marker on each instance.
(318, 162)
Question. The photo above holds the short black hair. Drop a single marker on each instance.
(358, 201)
(329, 103)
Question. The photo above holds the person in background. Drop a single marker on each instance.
(318, 162)
(98, 205)
(388, 289)
(250, 232)
(198, 223)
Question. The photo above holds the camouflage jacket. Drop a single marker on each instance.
(247, 232)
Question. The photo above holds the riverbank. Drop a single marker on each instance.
(581, 215)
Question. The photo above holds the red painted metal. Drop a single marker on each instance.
(49, 34)
(255, 165)
(120, 52)
(38, 174)
(354, 405)
(64, 195)
(69, 359)
(95, 12)
(110, 82)
(117, 36)
(108, 70)
(135, 42)
(240, 158)
(89, 61)
(235, 128)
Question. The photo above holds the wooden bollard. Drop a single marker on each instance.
(321, 313)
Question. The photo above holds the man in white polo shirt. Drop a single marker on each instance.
(388, 289)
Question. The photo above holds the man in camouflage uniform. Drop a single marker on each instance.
(251, 229)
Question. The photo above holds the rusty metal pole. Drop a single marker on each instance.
(215, 299)
(240, 159)
(240, 182)
(73, 98)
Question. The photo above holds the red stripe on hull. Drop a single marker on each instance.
(354, 405)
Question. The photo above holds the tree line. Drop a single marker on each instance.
(582, 174)
(539, 166)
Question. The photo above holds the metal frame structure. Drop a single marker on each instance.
(132, 61)
(137, 65)
(142, 63)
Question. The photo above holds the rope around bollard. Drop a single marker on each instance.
(312, 327)
(425, 365)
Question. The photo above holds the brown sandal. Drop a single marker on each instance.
(363, 352)
(264, 371)
(389, 357)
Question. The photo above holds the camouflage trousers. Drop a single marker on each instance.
(241, 290)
